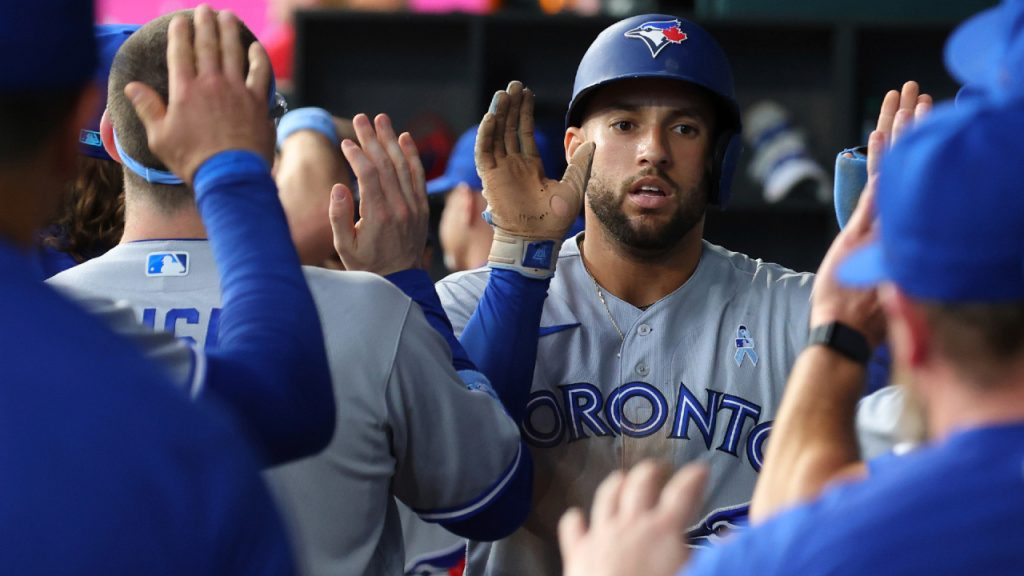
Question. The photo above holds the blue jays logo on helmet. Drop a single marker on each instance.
(696, 58)
(658, 34)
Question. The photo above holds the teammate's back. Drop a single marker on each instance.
(405, 420)
(107, 469)
(86, 430)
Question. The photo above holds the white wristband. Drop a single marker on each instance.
(531, 257)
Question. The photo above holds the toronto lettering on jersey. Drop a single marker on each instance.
(580, 411)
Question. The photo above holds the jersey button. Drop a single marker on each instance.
(643, 330)
(642, 369)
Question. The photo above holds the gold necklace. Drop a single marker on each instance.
(607, 310)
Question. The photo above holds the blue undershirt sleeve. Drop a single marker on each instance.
(501, 337)
(270, 365)
(416, 284)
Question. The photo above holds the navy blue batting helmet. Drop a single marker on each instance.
(661, 46)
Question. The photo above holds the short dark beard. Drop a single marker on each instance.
(645, 243)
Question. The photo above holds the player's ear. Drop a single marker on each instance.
(908, 327)
(107, 136)
(573, 138)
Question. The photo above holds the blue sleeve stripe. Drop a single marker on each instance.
(480, 502)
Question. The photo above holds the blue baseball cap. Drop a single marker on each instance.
(109, 37)
(462, 163)
(46, 44)
(987, 50)
(950, 208)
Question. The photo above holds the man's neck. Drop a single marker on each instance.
(952, 404)
(144, 220)
(636, 278)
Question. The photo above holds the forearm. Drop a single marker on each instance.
(270, 367)
(501, 337)
(308, 166)
(813, 440)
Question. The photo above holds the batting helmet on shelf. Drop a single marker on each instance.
(661, 46)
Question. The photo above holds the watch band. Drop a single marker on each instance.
(842, 339)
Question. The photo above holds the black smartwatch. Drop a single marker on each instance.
(842, 339)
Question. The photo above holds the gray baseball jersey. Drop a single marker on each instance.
(697, 376)
(430, 550)
(406, 425)
(184, 363)
(883, 423)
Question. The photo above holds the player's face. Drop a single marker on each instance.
(648, 186)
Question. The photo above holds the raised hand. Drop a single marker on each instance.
(212, 104)
(830, 301)
(637, 523)
(898, 112)
(521, 200)
(393, 212)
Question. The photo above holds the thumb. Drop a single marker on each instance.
(578, 173)
(148, 105)
(342, 215)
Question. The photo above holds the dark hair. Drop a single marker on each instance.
(979, 339)
(92, 221)
(30, 119)
(143, 58)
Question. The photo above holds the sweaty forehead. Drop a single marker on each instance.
(669, 96)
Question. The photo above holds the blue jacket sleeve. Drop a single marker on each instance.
(270, 366)
(501, 336)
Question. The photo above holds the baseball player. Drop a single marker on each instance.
(408, 425)
(466, 240)
(284, 421)
(107, 468)
(652, 343)
(947, 268)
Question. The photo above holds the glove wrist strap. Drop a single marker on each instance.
(531, 257)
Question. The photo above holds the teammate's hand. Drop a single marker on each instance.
(830, 301)
(212, 105)
(521, 200)
(898, 112)
(393, 211)
(636, 526)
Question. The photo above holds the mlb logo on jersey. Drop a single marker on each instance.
(658, 34)
(167, 264)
